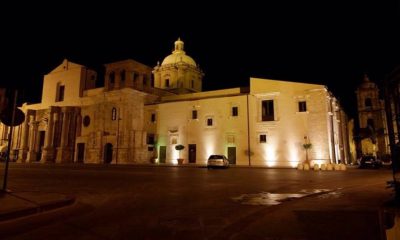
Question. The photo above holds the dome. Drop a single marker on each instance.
(178, 56)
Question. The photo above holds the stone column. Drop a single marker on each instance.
(33, 127)
(48, 148)
(64, 151)
(24, 141)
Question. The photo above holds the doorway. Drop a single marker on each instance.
(42, 135)
(232, 155)
(108, 153)
(192, 153)
(81, 152)
(163, 154)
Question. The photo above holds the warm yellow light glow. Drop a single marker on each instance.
(209, 142)
(270, 155)
(293, 164)
(294, 156)
(175, 153)
(318, 153)
(271, 163)
(319, 162)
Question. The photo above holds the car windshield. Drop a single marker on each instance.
(216, 157)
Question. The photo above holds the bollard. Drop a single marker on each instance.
(323, 167)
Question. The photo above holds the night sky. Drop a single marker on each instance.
(331, 43)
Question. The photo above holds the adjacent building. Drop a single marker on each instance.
(142, 113)
(373, 134)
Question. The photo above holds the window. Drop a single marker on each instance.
(153, 117)
(194, 114)
(267, 110)
(114, 114)
(263, 138)
(60, 95)
(235, 112)
(209, 121)
(192, 86)
(144, 80)
(123, 75)
(152, 80)
(135, 76)
(112, 77)
(86, 121)
(302, 106)
(167, 83)
(368, 102)
(150, 139)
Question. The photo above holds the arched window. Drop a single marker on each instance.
(86, 121)
(112, 77)
(122, 75)
(114, 114)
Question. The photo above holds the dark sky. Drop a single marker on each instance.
(332, 42)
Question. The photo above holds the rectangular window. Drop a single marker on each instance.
(194, 114)
(263, 138)
(150, 139)
(192, 86)
(153, 117)
(235, 112)
(166, 82)
(60, 96)
(303, 106)
(267, 110)
(209, 121)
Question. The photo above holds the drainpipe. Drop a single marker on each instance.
(248, 130)
(117, 145)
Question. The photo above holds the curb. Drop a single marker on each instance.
(5, 216)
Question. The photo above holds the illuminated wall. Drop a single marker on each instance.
(177, 125)
(284, 136)
(286, 133)
(86, 116)
(74, 77)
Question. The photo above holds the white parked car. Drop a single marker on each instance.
(217, 161)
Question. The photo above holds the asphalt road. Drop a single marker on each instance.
(145, 202)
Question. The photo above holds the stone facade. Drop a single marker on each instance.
(373, 136)
(233, 122)
(136, 118)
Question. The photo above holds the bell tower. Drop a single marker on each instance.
(371, 119)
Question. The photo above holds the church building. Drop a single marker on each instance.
(142, 113)
(373, 136)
